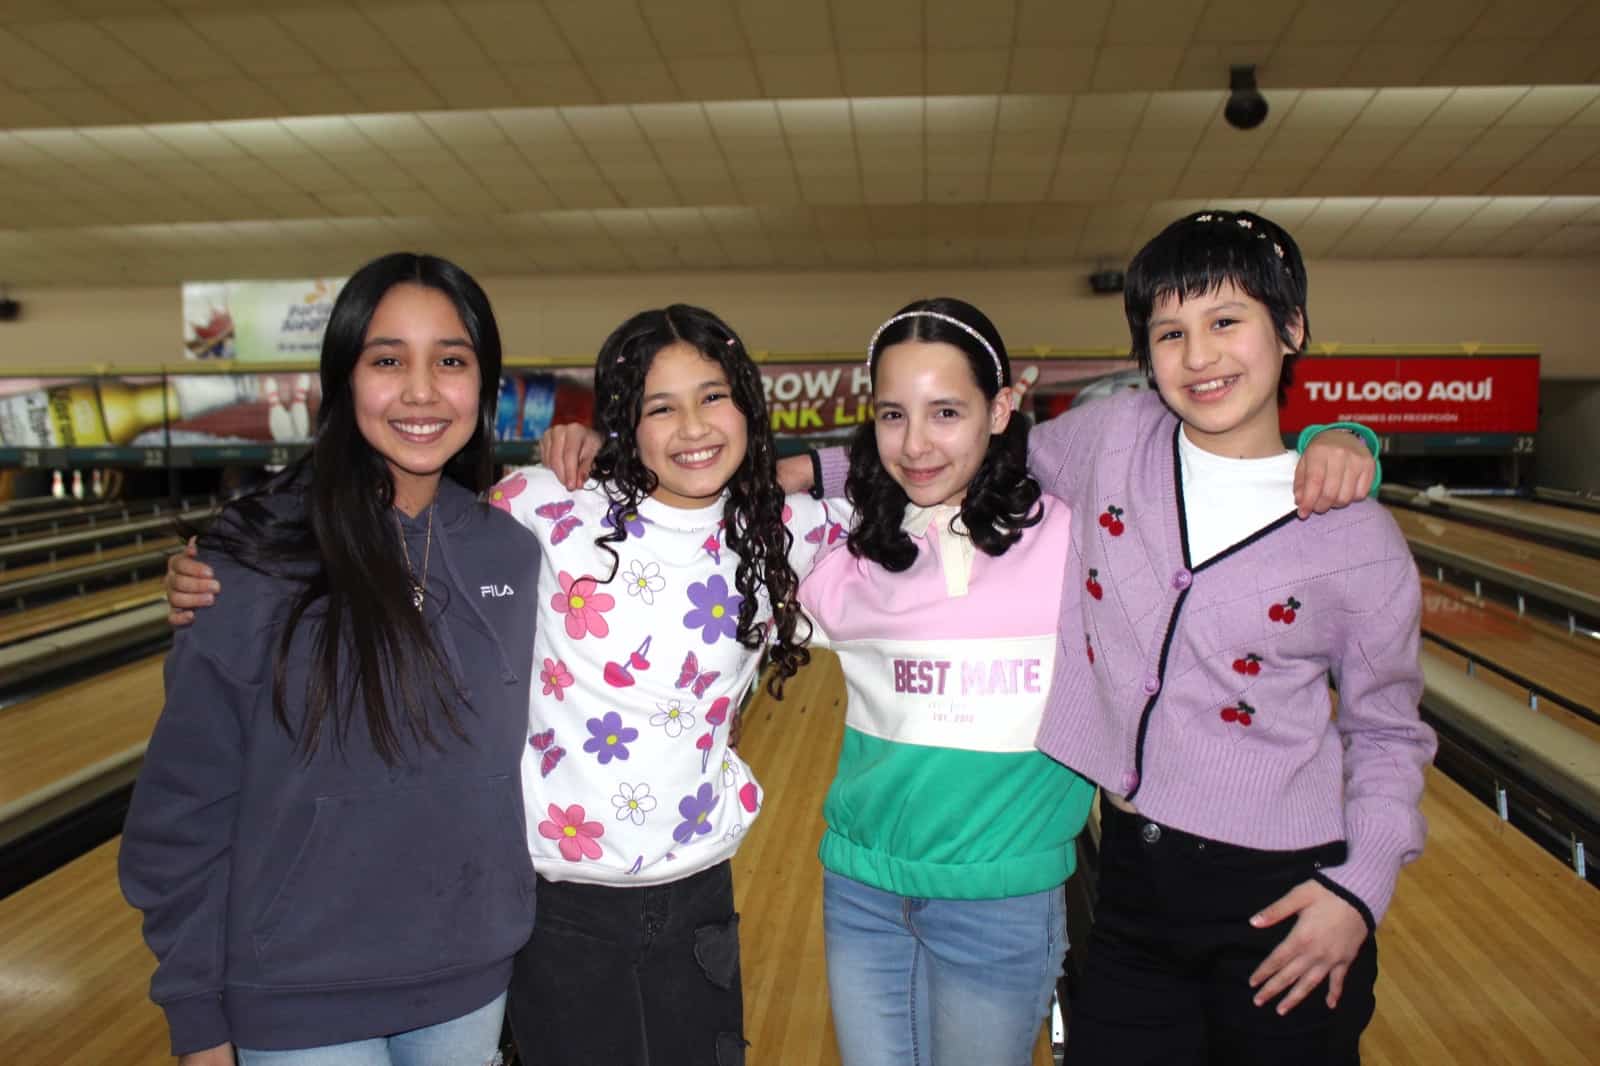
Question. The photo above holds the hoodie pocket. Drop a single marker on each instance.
(397, 883)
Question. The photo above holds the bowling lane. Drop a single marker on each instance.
(37, 621)
(1589, 521)
(1576, 572)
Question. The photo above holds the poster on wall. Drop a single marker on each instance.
(804, 397)
(1455, 395)
(257, 320)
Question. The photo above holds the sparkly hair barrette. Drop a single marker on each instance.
(1242, 223)
(999, 373)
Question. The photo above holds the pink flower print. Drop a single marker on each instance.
(556, 678)
(502, 494)
(579, 839)
(716, 609)
(583, 606)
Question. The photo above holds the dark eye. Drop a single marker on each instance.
(662, 410)
(1171, 334)
(888, 416)
(1224, 323)
(948, 412)
(713, 397)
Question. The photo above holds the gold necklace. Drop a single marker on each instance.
(419, 592)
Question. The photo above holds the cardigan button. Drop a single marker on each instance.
(1130, 781)
(1181, 580)
(1151, 832)
(1152, 685)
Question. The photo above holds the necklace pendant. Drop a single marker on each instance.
(417, 596)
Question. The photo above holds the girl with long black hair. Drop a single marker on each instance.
(326, 834)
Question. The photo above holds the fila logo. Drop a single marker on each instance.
(496, 591)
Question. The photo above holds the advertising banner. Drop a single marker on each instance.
(257, 320)
(1457, 395)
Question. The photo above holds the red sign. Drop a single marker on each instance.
(1416, 394)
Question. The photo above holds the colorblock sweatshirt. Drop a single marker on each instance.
(940, 792)
(294, 903)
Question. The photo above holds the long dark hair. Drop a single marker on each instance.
(1201, 252)
(339, 540)
(753, 514)
(1003, 498)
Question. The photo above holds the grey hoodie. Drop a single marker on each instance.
(294, 904)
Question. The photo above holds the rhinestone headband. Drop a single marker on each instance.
(872, 345)
(1242, 223)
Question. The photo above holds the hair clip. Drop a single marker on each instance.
(621, 359)
(732, 341)
(612, 434)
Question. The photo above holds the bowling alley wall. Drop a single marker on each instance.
(1541, 303)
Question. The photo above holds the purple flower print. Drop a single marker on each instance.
(696, 811)
(716, 609)
(632, 522)
(609, 738)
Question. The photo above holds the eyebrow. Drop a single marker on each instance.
(389, 342)
(713, 383)
(1231, 305)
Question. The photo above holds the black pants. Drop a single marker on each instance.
(644, 976)
(1166, 978)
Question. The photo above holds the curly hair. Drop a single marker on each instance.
(753, 514)
(1002, 499)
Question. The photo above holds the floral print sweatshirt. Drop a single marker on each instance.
(627, 773)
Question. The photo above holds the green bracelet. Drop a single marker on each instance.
(1369, 438)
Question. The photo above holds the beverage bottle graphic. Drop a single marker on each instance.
(89, 414)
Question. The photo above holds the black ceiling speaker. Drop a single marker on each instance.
(1106, 282)
(1246, 108)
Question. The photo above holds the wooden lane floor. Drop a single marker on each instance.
(1566, 664)
(93, 555)
(1576, 572)
(1548, 512)
(75, 974)
(37, 621)
(63, 733)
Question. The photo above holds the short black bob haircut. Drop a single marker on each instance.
(1198, 254)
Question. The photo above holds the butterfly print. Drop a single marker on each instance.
(557, 512)
(690, 677)
(551, 753)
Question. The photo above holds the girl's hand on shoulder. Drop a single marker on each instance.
(1327, 934)
(1335, 471)
(221, 1055)
(189, 584)
(568, 452)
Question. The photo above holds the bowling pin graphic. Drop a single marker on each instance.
(97, 485)
(279, 422)
(77, 484)
(58, 488)
(299, 412)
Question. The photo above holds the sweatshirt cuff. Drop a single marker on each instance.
(1349, 897)
(835, 466)
(1368, 437)
(196, 1023)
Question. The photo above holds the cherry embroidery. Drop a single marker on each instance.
(1284, 612)
(1093, 585)
(1111, 520)
(1089, 646)
(1241, 714)
(1250, 665)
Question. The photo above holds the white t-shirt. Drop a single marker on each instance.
(627, 776)
(1226, 500)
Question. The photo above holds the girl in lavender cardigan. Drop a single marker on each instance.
(1253, 837)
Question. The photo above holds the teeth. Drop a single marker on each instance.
(696, 457)
(1210, 386)
(420, 429)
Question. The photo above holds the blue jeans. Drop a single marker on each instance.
(939, 982)
(470, 1040)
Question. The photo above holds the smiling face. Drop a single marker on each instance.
(932, 421)
(1216, 360)
(691, 434)
(415, 389)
